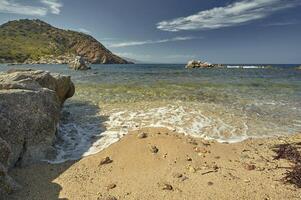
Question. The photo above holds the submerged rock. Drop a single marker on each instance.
(30, 104)
(78, 64)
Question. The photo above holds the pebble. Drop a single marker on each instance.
(165, 186)
(249, 167)
(107, 198)
(142, 135)
(189, 159)
(105, 160)
(111, 186)
(177, 175)
(192, 169)
(209, 183)
(154, 149)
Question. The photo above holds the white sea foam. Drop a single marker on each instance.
(89, 135)
(82, 139)
(244, 67)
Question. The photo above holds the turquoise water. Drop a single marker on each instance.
(222, 104)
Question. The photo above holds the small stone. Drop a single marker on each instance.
(192, 169)
(107, 198)
(154, 149)
(209, 183)
(183, 178)
(111, 186)
(189, 159)
(249, 166)
(142, 135)
(105, 160)
(215, 167)
(165, 186)
(177, 175)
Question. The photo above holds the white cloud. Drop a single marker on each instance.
(138, 43)
(231, 15)
(53, 5)
(13, 7)
(7, 6)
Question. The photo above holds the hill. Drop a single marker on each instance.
(35, 41)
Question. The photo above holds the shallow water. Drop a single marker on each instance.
(224, 104)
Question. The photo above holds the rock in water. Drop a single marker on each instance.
(79, 64)
(30, 104)
(198, 64)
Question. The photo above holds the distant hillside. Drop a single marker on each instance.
(24, 40)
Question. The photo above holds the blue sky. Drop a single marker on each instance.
(175, 31)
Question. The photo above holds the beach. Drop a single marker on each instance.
(165, 132)
(182, 167)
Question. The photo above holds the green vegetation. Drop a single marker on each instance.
(33, 39)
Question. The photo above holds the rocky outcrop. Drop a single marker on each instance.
(298, 67)
(30, 104)
(198, 64)
(78, 64)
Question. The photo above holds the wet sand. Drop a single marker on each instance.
(162, 164)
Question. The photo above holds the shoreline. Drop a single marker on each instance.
(157, 163)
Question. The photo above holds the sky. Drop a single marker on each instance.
(175, 31)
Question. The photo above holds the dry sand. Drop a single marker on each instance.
(183, 168)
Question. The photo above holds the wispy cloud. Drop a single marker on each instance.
(231, 15)
(145, 42)
(10, 6)
(54, 6)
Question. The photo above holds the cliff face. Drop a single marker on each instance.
(35, 40)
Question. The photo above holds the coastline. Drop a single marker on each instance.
(182, 168)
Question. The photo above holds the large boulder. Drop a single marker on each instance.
(78, 64)
(30, 104)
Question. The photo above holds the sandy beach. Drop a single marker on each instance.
(156, 163)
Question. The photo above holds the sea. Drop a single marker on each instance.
(229, 104)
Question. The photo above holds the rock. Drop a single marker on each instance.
(299, 68)
(105, 160)
(154, 149)
(177, 175)
(78, 64)
(111, 186)
(29, 79)
(188, 159)
(107, 198)
(30, 104)
(249, 166)
(198, 64)
(165, 186)
(7, 184)
(209, 183)
(142, 135)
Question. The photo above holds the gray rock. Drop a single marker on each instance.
(78, 64)
(30, 104)
(198, 64)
